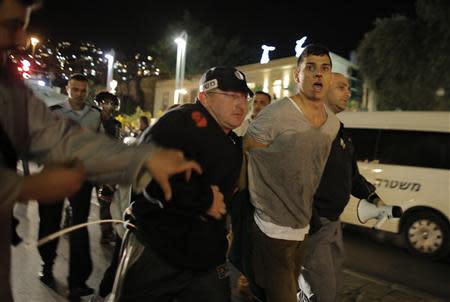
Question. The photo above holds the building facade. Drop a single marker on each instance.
(276, 78)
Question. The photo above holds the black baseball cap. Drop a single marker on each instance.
(226, 79)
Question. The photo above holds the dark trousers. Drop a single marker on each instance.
(80, 262)
(104, 209)
(151, 279)
(5, 255)
(105, 213)
(276, 264)
(107, 282)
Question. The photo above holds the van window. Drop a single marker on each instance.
(365, 143)
(414, 148)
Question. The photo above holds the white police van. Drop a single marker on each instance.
(406, 155)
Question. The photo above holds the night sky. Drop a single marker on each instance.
(130, 25)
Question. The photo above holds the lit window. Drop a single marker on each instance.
(276, 88)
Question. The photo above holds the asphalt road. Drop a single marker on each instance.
(380, 255)
(365, 254)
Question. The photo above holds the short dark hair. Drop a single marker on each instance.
(105, 96)
(144, 119)
(315, 50)
(78, 77)
(264, 93)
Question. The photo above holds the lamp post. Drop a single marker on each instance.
(109, 78)
(34, 41)
(181, 42)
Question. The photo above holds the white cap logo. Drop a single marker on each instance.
(209, 85)
(239, 75)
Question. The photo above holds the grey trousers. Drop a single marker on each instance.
(320, 276)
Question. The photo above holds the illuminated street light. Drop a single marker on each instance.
(34, 41)
(179, 94)
(113, 86)
(181, 42)
(26, 65)
(109, 78)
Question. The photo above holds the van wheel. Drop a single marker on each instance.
(427, 234)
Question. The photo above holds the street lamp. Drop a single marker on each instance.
(109, 78)
(181, 42)
(113, 86)
(34, 41)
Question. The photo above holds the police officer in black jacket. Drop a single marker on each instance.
(319, 279)
(183, 243)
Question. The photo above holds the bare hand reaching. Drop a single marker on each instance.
(165, 163)
(53, 183)
(218, 207)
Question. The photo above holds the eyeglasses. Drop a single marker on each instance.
(235, 97)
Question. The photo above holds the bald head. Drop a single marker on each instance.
(338, 93)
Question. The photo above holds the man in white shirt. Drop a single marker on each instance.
(260, 100)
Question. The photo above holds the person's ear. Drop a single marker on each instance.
(202, 97)
(296, 75)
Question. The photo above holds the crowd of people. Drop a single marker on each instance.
(292, 159)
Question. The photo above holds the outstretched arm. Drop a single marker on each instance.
(57, 140)
(52, 183)
(165, 163)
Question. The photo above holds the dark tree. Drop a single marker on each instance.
(406, 61)
(205, 48)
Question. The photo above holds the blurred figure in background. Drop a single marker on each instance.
(144, 127)
(143, 124)
(108, 104)
(260, 100)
